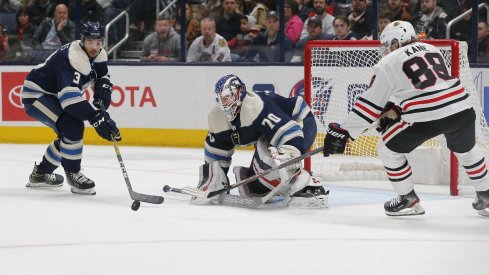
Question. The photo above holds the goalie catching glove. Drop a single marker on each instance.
(335, 140)
(284, 154)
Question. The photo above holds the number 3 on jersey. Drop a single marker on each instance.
(271, 120)
(418, 70)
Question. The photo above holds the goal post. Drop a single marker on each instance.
(336, 72)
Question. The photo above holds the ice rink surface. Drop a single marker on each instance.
(52, 231)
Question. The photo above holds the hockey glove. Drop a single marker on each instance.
(335, 140)
(286, 153)
(102, 93)
(105, 126)
(389, 116)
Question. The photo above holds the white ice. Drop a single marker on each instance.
(52, 231)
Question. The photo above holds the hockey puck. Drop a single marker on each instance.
(166, 188)
(135, 205)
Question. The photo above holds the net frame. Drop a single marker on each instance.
(375, 44)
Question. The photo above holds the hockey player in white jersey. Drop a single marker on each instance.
(53, 95)
(281, 128)
(412, 81)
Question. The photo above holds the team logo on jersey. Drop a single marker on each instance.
(223, 43)
(12, 108)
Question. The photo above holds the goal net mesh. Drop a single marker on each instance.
(336, 73)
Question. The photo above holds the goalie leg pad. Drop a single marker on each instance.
(241, 173)
(211, 178)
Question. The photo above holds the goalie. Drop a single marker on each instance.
(281, 129)
(429, 102)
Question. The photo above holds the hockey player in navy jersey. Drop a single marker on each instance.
(412, 79)
(281, 128)
(53, 94)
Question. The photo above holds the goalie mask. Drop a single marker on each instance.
(396, 35)
(230, 91)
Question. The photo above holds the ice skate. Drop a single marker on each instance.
(310, 197)
(481, 203)
(80, 184)
(404, 205)
(40, 179)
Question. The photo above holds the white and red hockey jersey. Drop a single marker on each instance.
(416, 79)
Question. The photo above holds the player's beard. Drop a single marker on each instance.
(92, 53)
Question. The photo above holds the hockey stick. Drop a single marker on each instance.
(199, 193)
(134, 195)
(137, 197)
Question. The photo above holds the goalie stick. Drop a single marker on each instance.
(231, 200)
(201, 194)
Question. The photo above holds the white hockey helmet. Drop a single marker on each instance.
(400, 32)
(230, 91)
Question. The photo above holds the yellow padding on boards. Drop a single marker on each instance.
(130, 136)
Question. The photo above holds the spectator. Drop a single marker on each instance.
(240, 44)
(40, 9)
(315, 30)
(163, 45)
(25, 29)
(319, 10)
(293, 23)
(451, 7)
(90, 10)
(398, 10)
(431, 21)
(461, 30)
(247, 6)
(304, 8)
(260, 13)
(360, 18)
(228, 22)
(483, 41)
(9, 5)
(177, 20)
(384, 18)
(266, 46)
(342, 30)
(16, 50)
(210, 46)
(3, 43)
(55, 32)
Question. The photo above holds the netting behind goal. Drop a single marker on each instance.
(337, 72)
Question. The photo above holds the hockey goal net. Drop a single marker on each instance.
(336, 73)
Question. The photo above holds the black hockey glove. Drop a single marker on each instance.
(390, 115)
(384, 124)
(335, 140)
(105, 126)
(102, 93)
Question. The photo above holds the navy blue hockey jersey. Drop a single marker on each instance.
(262, 114)
(65, 74)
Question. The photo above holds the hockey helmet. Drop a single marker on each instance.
(230, 91)
(92, 30)
(400, 32)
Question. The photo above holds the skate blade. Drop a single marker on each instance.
(416, 209)
(483, 212)
(42, 184)
(90, 191)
